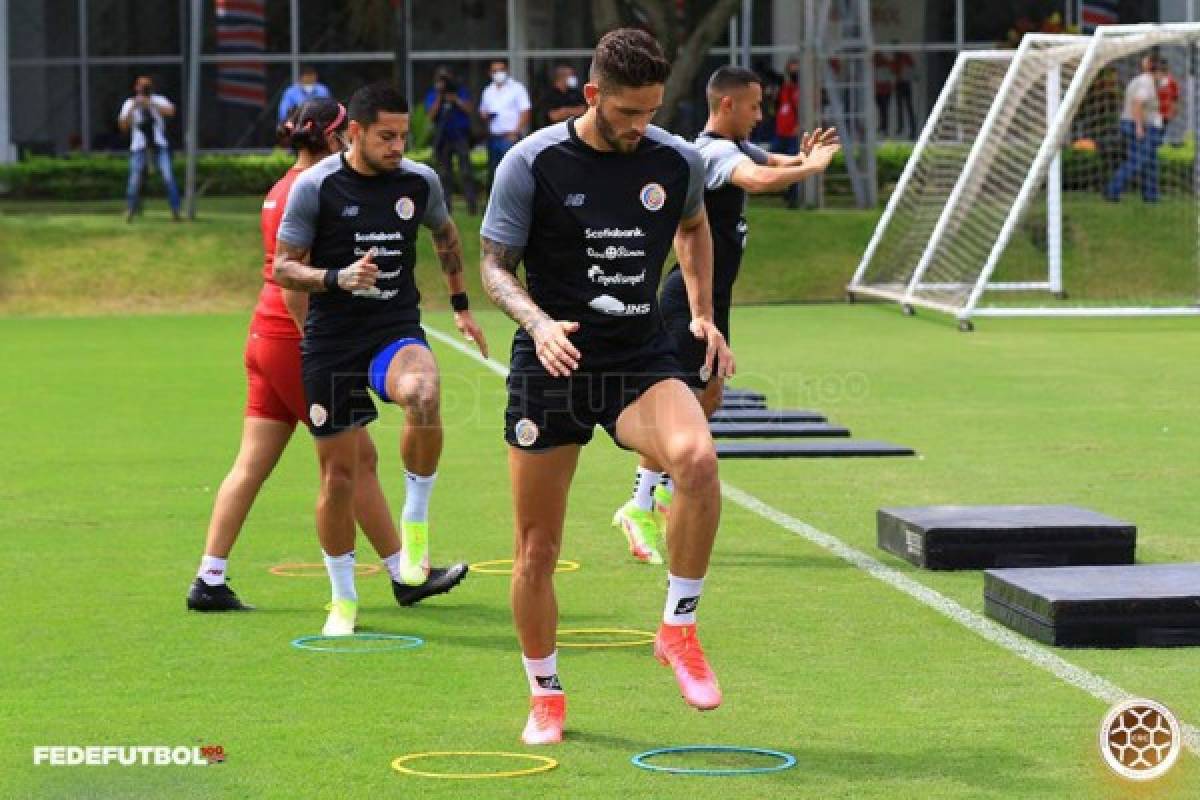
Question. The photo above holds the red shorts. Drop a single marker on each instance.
(275, 389)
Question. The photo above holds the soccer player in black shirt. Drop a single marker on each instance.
(591, 206)
(349, 238)
(733, 166)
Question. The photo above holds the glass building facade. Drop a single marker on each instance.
(67, 65)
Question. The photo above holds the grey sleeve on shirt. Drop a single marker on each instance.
(510, 207)
(721, 158)
(299, 225)
(436, 215)
(693, 204)
(756, 153)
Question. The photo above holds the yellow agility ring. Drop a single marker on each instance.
(317, 570)
(544, 764)
(633, 638)
(503, 566)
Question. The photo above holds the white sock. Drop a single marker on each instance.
(212, 570)
(667, 483)
(683, 595)
(643, 488)
(543, 675)
(392, 563)
(417, 489)
(341, 576)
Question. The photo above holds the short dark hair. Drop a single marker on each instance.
(628, 58)
(367, 102)
(727, 79)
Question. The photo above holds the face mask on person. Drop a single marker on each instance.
(572, 82)
(499, 77)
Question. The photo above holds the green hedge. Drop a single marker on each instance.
(96, 177)
(103, 176)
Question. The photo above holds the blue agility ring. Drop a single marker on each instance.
(398, 642)
(787, 760)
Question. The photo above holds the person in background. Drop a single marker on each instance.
(564, 100)
(884, 83)
(303, 90)
(506, 108)
(787, 121)
(1142, 130)
(764, 131)
(1168, 103)
(143, 116)
(902, 72)
(449, 107)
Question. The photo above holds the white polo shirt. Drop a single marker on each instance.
(137, 139)
(506, 102)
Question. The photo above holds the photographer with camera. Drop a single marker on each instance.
(143, 116)
(449, 107)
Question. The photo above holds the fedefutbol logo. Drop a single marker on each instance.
(1140, 739)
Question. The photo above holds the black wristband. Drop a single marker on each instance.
(459, 302)
(331, 279)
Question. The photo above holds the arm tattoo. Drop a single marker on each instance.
(499, 268)
(292, 271)
(448, 248)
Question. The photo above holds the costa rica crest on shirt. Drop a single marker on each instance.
(653, 196)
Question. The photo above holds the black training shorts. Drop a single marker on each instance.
(544, 411)
(336, 380)
(677, 316)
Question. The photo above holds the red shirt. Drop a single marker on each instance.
(1168, 96)
(787, 110)
(271, 318)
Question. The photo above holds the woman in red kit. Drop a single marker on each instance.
(275, 397)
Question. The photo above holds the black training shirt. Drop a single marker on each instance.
(340, 214)
(596, 227)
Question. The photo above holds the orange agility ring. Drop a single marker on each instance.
(298, 570)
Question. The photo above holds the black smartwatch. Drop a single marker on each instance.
(458, 301)
(331, 280)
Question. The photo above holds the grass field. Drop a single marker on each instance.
(81, 259)
(121, 428)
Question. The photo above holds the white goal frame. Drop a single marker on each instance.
(1045, 170)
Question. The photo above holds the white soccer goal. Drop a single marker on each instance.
(1005, 207)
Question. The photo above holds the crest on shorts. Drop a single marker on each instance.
(317, 415)
(405, 208)
(526, 431)
(653, 196)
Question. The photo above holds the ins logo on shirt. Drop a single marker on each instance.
(575, 200)
(405, 208)
(653, 196)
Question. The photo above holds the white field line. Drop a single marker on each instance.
(1098, 687)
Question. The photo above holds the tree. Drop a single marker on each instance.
(685, 48)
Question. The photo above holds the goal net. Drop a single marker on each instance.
(1034, 189)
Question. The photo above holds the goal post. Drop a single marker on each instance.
(1034, 204)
